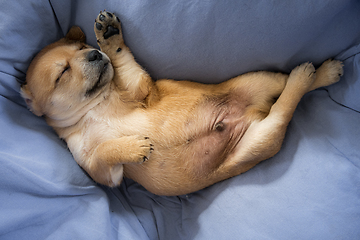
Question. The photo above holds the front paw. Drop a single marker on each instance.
(140, 149)
(107, 28)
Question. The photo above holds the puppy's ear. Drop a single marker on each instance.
(30, 101)
(75, 34)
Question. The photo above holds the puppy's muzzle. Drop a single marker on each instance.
(99, 71)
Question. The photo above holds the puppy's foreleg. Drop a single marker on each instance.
(129, 75)
(106, 162)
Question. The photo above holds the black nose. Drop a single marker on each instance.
(94, 55)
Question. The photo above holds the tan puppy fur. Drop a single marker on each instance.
(173, 137)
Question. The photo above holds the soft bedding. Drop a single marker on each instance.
(309, 190)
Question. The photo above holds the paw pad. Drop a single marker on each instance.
(107, 24)
(98, 26)
(102, 17)
(111, 31)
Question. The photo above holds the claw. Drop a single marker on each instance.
(312, 73)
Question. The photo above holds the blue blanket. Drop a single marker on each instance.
(309, 190)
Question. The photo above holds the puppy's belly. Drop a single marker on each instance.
(185, 157)
(206, 150)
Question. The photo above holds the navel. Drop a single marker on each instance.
(220, 126)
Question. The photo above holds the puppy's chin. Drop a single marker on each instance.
(102, 79)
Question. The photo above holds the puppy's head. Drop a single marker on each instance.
(66, 79)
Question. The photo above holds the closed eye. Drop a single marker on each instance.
(58, 79)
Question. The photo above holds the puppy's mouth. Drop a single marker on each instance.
(99, 83)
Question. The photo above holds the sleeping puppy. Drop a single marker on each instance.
(172, 137)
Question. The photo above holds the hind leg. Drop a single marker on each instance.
(263, 139)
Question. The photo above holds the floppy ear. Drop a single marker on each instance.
(75, 34)
(30, 101)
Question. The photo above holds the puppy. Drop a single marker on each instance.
(172, 137)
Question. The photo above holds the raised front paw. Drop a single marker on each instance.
(108, 31)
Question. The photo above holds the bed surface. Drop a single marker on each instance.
(309, 190)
